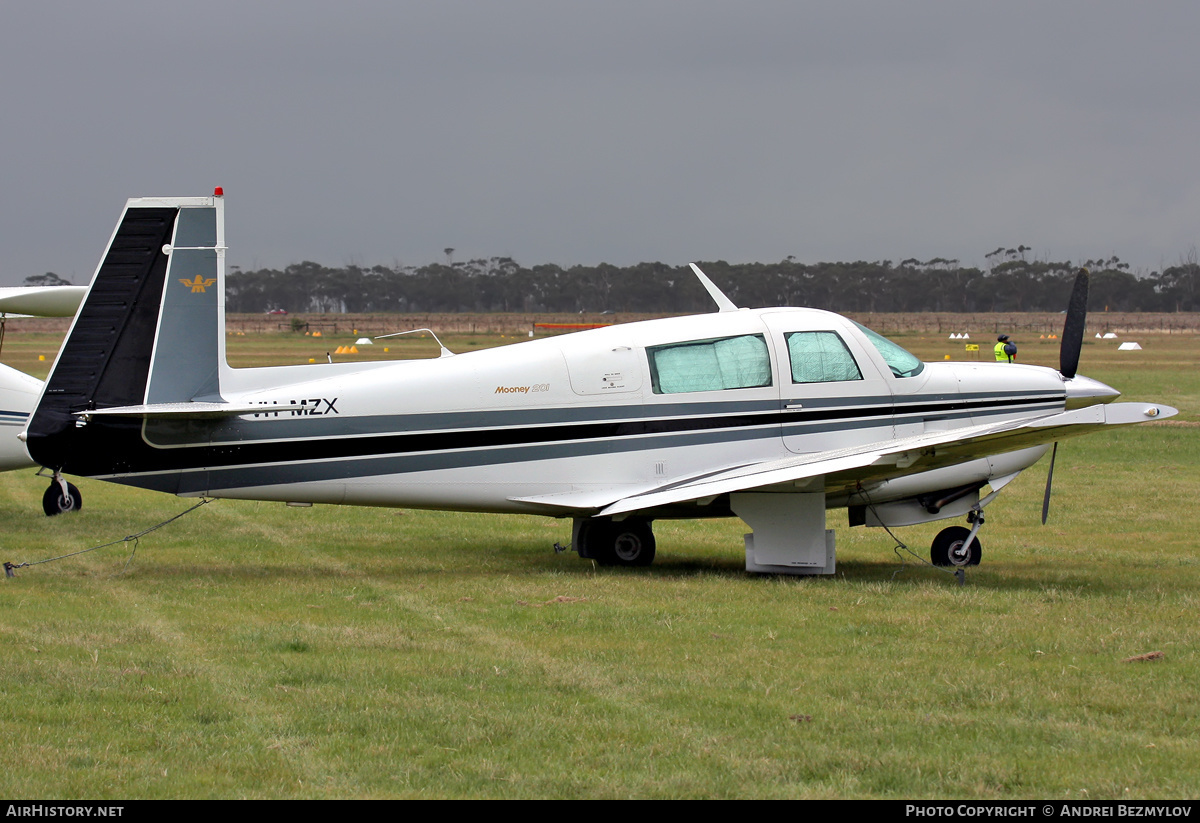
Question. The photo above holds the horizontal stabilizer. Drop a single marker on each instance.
(187, 411)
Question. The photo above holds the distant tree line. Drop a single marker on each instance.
(1011, 282)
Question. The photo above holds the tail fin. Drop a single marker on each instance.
(151, 329)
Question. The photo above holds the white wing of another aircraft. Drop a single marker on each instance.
(19, 391)
(42, 301)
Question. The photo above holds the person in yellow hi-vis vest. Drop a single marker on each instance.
(1006, 350)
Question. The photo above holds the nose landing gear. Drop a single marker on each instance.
(61, 497)
(950, 548)
(959, 546)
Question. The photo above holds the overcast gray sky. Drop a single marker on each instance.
(581, 132)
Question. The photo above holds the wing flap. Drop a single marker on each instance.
(583, 499)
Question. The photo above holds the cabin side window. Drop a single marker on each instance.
(710, 365)
(820, 357)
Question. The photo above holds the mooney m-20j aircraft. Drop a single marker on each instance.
(771, 415)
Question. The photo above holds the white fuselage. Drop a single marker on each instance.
(507, 429)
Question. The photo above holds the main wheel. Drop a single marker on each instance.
(949, 548)
(55, 502)
(627, 543)
(632, 543)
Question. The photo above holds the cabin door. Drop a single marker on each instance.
(832, 395)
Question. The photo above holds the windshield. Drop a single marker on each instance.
(900, 361)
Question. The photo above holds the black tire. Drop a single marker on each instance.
(947, 548)
(627, 543)
(633, 543)
(55, 503)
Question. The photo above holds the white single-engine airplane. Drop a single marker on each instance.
(772, 415)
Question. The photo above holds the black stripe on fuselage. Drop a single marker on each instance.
(13, 418)
(295, 460)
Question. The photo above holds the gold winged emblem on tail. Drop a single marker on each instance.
(199, 284)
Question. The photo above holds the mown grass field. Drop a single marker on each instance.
(253, 650)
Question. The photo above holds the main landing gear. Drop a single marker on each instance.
(628, 542)
(61, 497)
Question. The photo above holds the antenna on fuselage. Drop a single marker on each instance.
(445, 351)
(718, 296)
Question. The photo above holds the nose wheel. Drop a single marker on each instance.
(61, 497)
(950, 548)
(958, 546)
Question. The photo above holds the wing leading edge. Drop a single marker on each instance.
(872, 462)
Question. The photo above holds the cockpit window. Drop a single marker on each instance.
(900, 361)
(820, 357)
(710, 365)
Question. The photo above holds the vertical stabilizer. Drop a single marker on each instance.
(151, 329)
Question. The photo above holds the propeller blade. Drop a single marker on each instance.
(1049, 481)
(1072, 336)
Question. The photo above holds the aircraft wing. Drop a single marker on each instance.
(895, 458)
(868, 463)
(42, 301)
